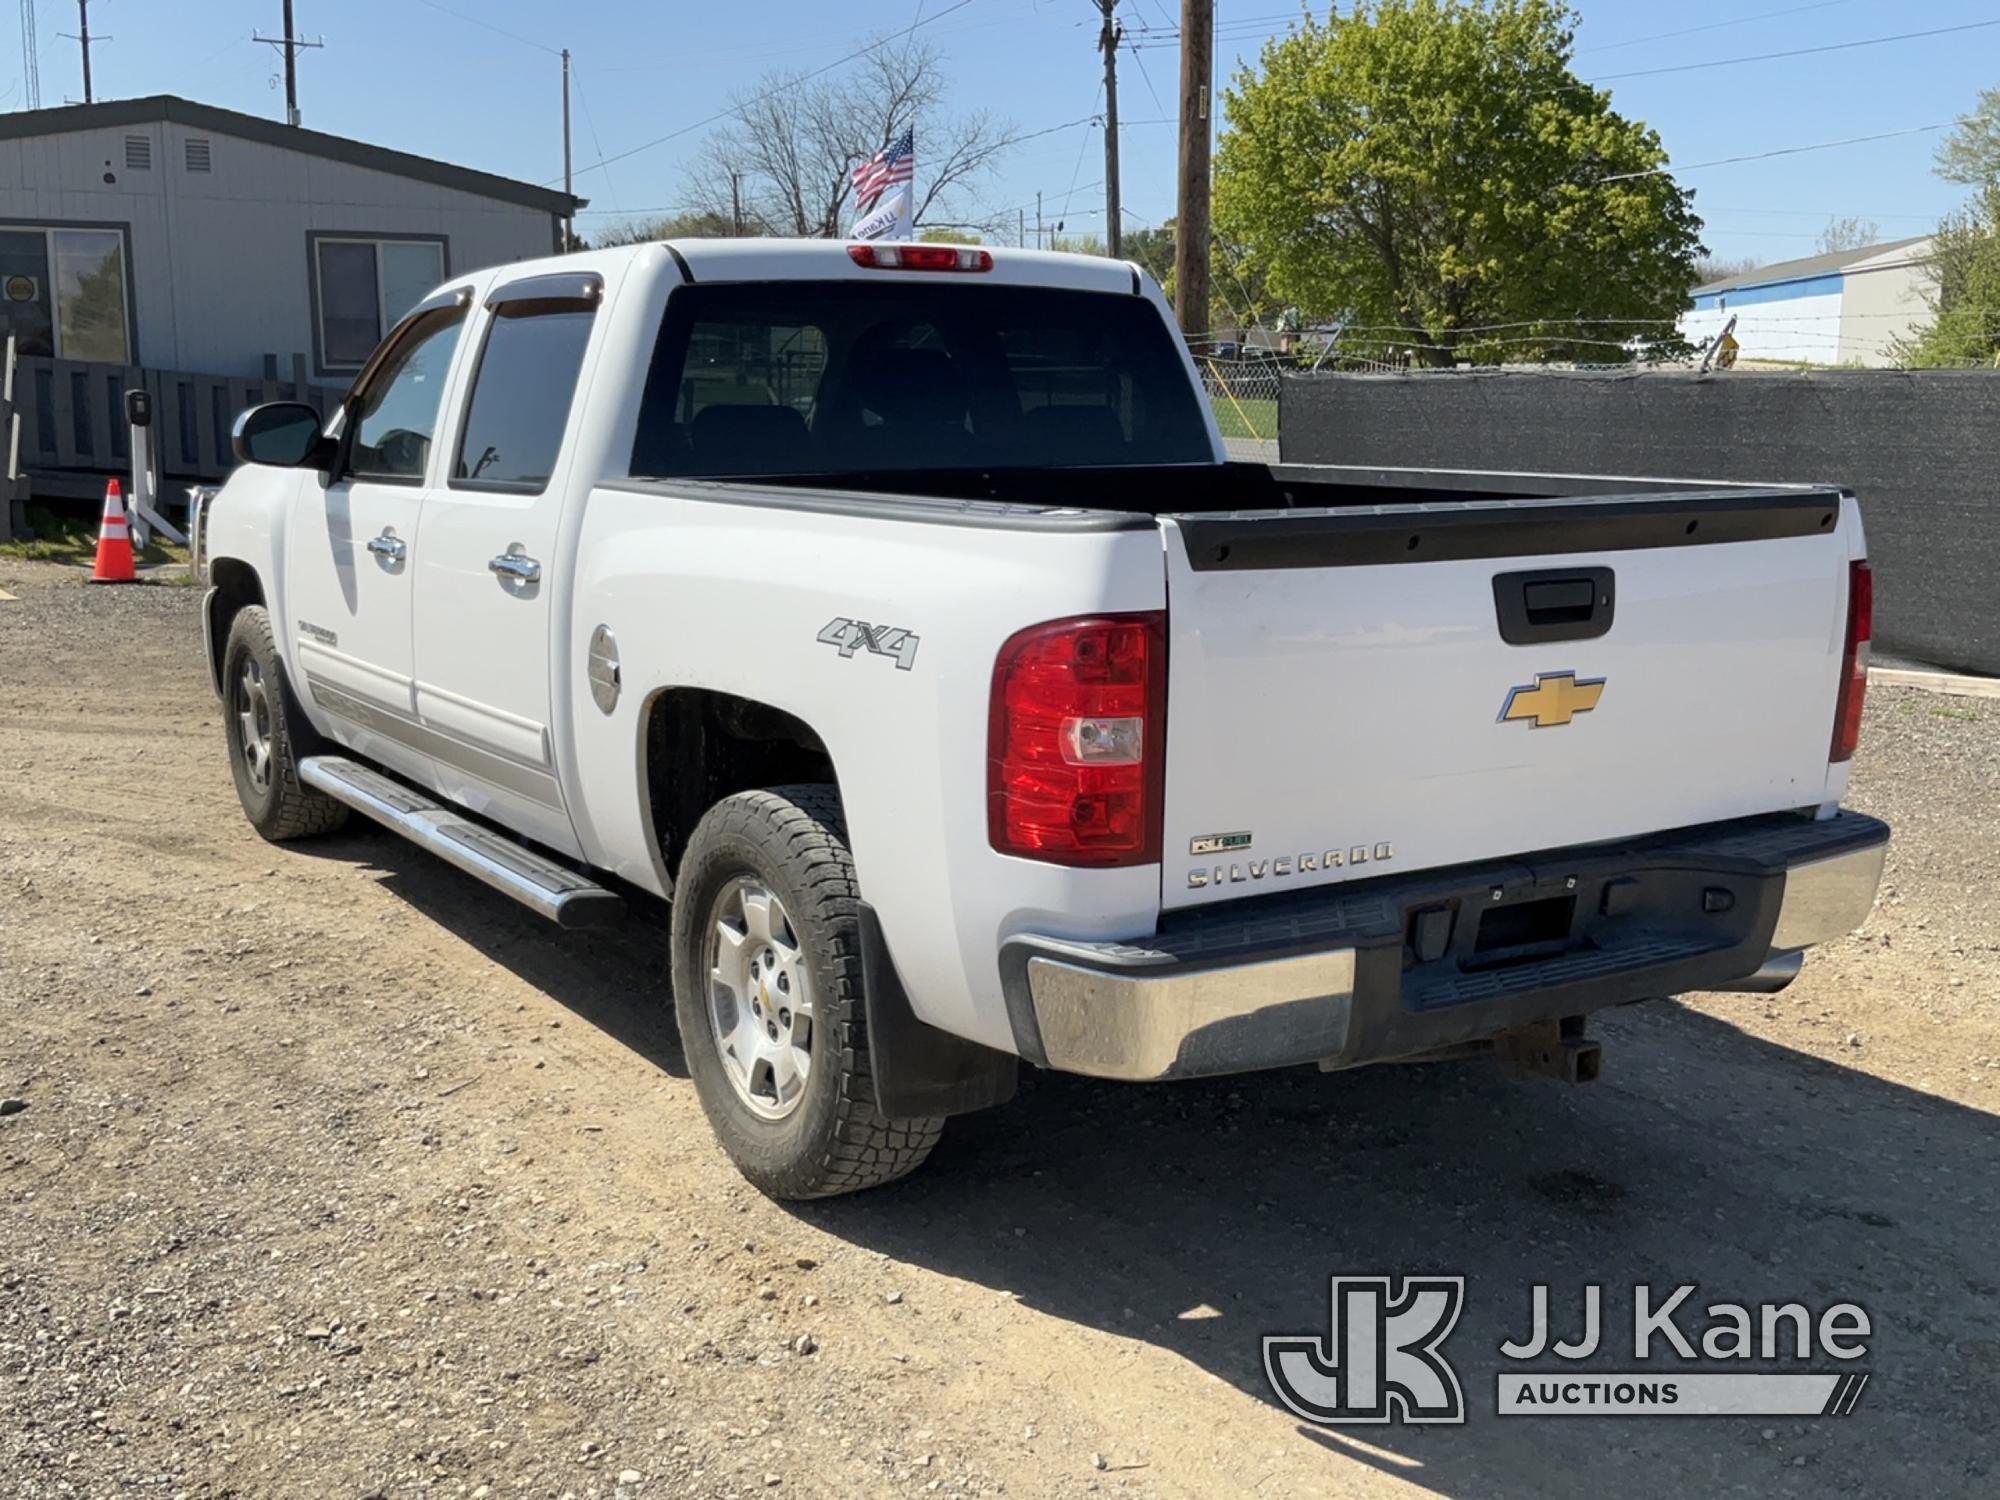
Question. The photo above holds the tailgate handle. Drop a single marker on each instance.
(1554, 604)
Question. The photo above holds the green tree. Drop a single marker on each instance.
(1435, 166)
(1971, 153)
(1964, 291)
(1964, 268)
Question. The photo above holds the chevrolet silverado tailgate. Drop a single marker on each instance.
(1390, 688)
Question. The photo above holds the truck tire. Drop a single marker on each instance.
(269, 735)
(768, 996)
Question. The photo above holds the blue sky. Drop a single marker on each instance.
(411, 74)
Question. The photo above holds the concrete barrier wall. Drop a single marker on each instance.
(1920, 449)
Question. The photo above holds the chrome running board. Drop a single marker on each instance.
(539, 883)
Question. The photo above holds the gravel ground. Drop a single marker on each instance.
(340, 1176)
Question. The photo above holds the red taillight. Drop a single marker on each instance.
(1854, 661)
(1077, 741)
(920, 257)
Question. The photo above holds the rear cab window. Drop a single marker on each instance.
(836, 377)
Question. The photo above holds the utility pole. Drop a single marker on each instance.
(1191, 222)
(1107, 41)
(1021, 227)
(736, 202)
(82, 38)
(569, 186)
(290, 44)
(1038, 218)
(31, 73)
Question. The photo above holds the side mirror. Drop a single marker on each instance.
(285, 434)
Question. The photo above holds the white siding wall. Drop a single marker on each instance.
(1771, 323)
(1879, 308)
(219, 258)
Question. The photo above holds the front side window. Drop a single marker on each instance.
(522, 393)
(395, 416)
(62, 293)
(363, 286)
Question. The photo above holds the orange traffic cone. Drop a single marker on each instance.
(114, 541)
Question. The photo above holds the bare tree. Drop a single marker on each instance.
(1849, 233)
(672, 227)
(786, 158)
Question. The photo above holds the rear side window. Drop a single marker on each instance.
(522, 393)
(843, 377)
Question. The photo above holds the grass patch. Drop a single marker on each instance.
(60, 539)
(1246, 417)
(1970, 715)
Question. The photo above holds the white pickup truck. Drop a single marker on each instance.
(894, 613)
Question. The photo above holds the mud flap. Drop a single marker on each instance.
(919, 1070)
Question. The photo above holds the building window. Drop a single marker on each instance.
(198, 153)
(138, 153)
(63, 293)
(362, 286)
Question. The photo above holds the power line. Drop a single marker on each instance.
(1077, 170)
(1724, 161)
(1730, 62)
(1811, 213)
(1662, 36)
(786, 86)
(489, 26)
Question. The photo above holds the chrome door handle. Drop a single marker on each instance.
(516, 565)
(388, 545)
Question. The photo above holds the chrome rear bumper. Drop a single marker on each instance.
(1331, 977)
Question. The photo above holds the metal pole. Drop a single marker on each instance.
(1107, 39)
(83, 36)
(1191, 231)
(569, 185)
(291, 69)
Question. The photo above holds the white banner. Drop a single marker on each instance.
(888, 220)
(1624, 1394)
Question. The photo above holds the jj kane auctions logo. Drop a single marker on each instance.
(1382, 1358)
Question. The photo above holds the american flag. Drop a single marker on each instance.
(894, 164)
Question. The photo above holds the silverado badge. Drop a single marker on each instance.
(1553, 698)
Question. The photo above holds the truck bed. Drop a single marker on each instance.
(1254, 488)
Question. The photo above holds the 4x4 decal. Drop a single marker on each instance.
(879, 640)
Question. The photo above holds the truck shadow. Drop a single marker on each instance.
(1198, 1217)
(615, 979)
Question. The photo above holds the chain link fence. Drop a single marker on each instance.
(1244, 394)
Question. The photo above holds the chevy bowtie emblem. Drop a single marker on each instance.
(1554, 698)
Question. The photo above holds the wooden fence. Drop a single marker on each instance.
(72, 414)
